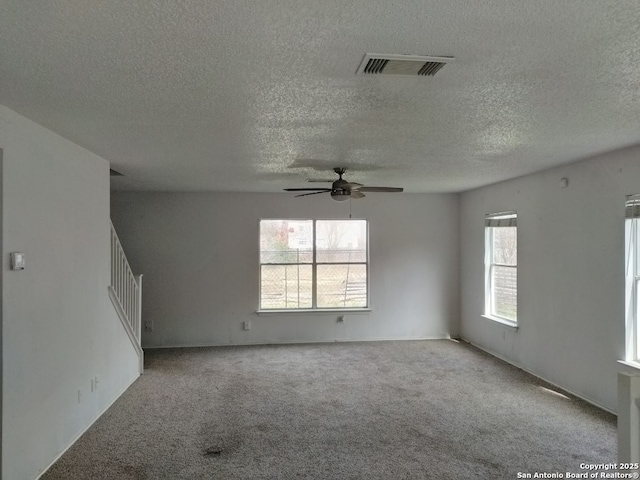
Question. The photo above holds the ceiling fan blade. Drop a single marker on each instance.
(313, 193)
(357, 194)
(320, 180)
(307, 189)
(352, 186)
(380, 189)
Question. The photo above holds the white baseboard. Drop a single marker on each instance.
(298, 342)
(560, 387)
(83, 431)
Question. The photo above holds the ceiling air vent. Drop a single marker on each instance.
(407, 65)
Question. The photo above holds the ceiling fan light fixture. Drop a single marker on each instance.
(340, 195)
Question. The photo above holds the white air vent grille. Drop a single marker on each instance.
(407, 65)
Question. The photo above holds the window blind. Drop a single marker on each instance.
(503, 219)
(632, 206)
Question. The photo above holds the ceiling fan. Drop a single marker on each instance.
(341, 189)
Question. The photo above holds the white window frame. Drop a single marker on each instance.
(493, 221)
(632, 280)
(314, 269)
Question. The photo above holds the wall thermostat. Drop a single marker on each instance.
(17, 261)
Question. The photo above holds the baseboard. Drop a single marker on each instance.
(560, 387)
(299, 342)
(84, 430)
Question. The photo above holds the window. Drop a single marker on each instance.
(501, 267)
(313, 264)
(632, 278)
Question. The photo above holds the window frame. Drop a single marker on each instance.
(490, 311)
(632, 280)
(314, 269)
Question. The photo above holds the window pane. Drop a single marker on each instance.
(342, 286)
(286, 241)
(635, 252)
(341, 241)
(505, 288)
(636, 325)
(635, 239)
(505, 245)
(285, 286)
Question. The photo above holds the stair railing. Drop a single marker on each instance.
(126, 286)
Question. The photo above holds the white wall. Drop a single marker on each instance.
(570, 272)
(199, 256)
(59, 327)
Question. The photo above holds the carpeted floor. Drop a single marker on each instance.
(375, 410)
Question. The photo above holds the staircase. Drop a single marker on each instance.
(125, 293)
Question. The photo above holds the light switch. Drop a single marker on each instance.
(17, 261)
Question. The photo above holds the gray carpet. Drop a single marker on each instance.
(376, 410)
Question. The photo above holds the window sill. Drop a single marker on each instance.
(503, 321)
(314, 311)
(630, 364)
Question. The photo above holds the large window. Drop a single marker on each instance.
(313, 264)
(632, 274)
(501, 267)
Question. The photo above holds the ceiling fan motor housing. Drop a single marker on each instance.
(338, 190)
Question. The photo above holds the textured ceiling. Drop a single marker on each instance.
(260, 95)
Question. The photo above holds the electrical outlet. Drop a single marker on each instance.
(95, 383)
(92, 385)
(79, 395)
(148, 325)
(246, 325)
